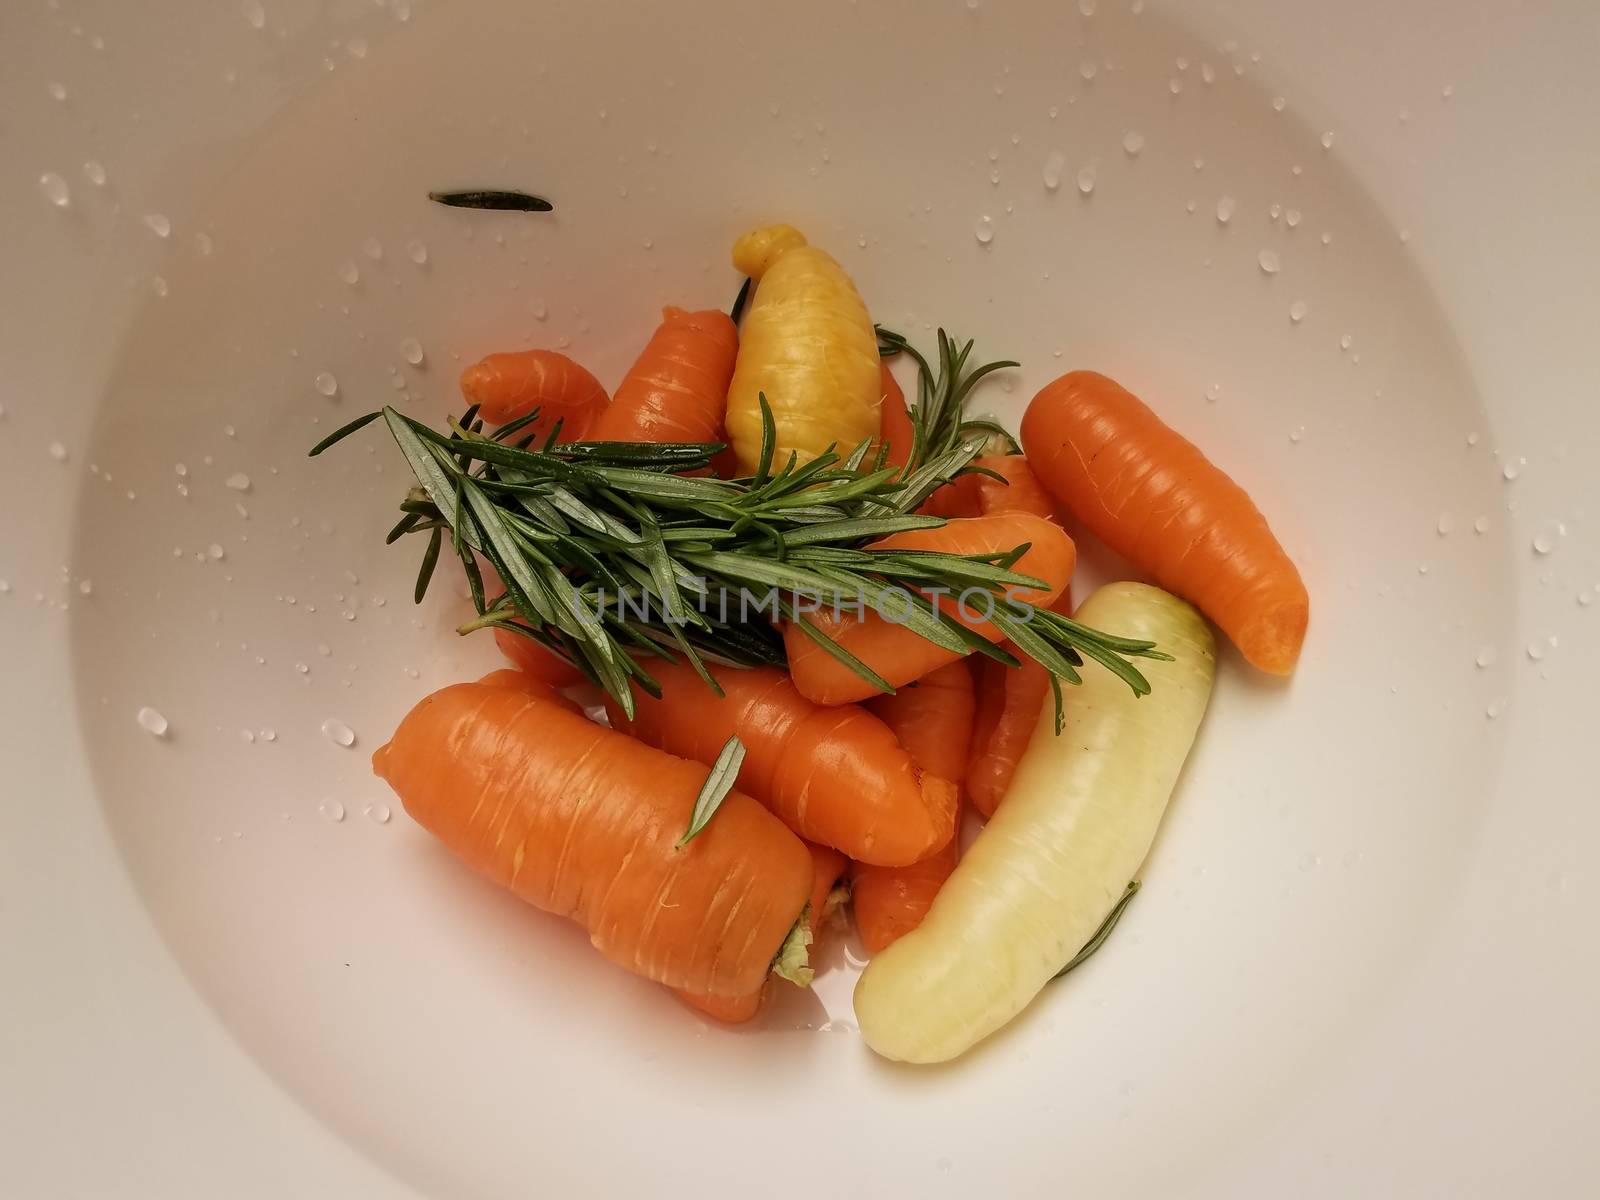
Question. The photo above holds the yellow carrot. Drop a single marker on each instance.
(808, 345)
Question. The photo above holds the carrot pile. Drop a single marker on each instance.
(704, 835)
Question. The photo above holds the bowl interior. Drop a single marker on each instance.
(1071, 190)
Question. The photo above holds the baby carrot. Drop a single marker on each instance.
(528, 655)
(528, 685)
(827, 864)
(894, 421)
(836, 776)
(678, 387)
(898, 653)
(1155, 499)
(933, 720)
(511, 385)
(1008, 698)
(808, 345)
(582, 821)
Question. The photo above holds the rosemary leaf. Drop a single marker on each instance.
(503, 200)
(1101, 934)
(719, 782)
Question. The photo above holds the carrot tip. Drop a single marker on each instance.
(1271, 641)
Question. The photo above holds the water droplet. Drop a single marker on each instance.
(1269, 261)
(972, 5)
(248, 735)
(1481, 525)
(1512, 469)
(1327, 140)
(158, 224)
(983, 230)
(1310, 862)
(1224, 209)
(416, 252)
(269, 735)
(1346, 341)
(1054, 163)
(1495, 708)
(372, 248)
(58, 452)
(1174, 85)
(350, 273)
(1296, 434)
(326, 383)
(1213, 392)
(1086, 180)
(994, 178)
(411, 351)
(1133, 142)
(5, 587)
(1279, 104)
(152, 722)
(1208, 74)
(331, 810)
(1447, 91)
(1485, 657)
(337, 732)
(1327, 239)
(377, 812)
(94, 173)
(1536, 650)
(1087, 68)
(323, 649)
(1446, 524)
(1291, 217)
(356, 47)
(238, 481)
(1297, 311)
(1087, 7)
(254, 13)
(55, 189)
(1545, 540)
(1585, 597)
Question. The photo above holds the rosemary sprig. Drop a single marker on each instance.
(612, 554)
(937, 419)
(506, 200)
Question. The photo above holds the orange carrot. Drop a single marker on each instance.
(528, 685)
(896, 652)
(894, 421)
(933, 720)
(1008, 698)
(827, 864)
(678, 388)
(528, 655)
(1155, 499)
(834, 775)
(730, 1010)
(958, 498)
(582, 821)
(508, 386)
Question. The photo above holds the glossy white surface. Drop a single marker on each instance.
(1363, 958)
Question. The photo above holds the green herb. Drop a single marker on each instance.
(937, 420)
(719, 782)
(1101, 934)
(739, 301)
(612, 554)
(489, 198)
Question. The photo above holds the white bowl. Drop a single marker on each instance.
(1363, 960)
